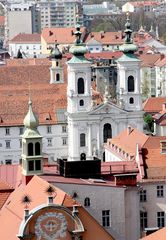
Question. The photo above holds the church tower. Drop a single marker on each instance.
(56, 70)
(31, 145)
(79, 101)
(129, 84)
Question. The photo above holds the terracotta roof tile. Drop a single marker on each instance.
(158, 235)
(26, 38)
(149, 60)
(2, 20)
(5, 191)
(127, 140)
(13, 210)
(60, 35)
(154, 104)
(154, 160)
(107, 37)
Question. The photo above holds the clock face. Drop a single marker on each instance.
(51, 226)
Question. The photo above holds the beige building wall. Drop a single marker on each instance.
(122, 202)
(19, 22)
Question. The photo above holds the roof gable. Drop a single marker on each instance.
(106, 108)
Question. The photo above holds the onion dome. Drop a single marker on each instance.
(78, 49)
(31, 121)
(55, 53)
(128, 46)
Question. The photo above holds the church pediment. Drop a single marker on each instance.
(106, 108)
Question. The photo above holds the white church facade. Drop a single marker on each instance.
(82, 134)
(89, 126)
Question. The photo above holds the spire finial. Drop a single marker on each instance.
(30, 120)
(128, 30)
(78, 34)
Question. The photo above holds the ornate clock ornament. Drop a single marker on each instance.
(51, 226)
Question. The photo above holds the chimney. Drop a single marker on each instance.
(164, 106)
(163, 146)
(162, 56)
(75, 210)
(50, 33)
(26, 214)
(129, 130)
(50, 199)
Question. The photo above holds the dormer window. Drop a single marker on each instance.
(163, 146)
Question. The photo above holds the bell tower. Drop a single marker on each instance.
(79, 102)
(128, 67)
(32, 161)
(79, 94)
(56, 69)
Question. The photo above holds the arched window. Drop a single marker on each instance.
(82, 140)
(81, 102)
(80, 86)
(37, 148)
(107, 132)
(57, 77)
(30, 149)
(83, 156)
(57, 63)
(87, 202)
(130, 84)
(131, 100)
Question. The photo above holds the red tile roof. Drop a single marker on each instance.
(104, 55)
(144, 3)
(109, 38)
(127, 141)
(11, 175)
(14, 89)
(2, 20)
(13, 210)
(60, 35)
(5, 191)
(149, 60)
(154, 160)
(158, 235)
(161, 62)
(26, 38)
(154, 104)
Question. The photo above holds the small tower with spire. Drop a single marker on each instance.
(128, 66)
(56, 69)
(31, 145)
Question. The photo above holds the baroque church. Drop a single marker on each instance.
(90, 125)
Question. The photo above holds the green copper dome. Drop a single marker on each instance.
(55, 53)
(78, 48)
(31, 121)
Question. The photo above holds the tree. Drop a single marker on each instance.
(148, 119)
(145, 89)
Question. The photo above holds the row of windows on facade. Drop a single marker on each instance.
(49, 142)
(21, 130)
(159, 193)
(81, 88)
(160, 220)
